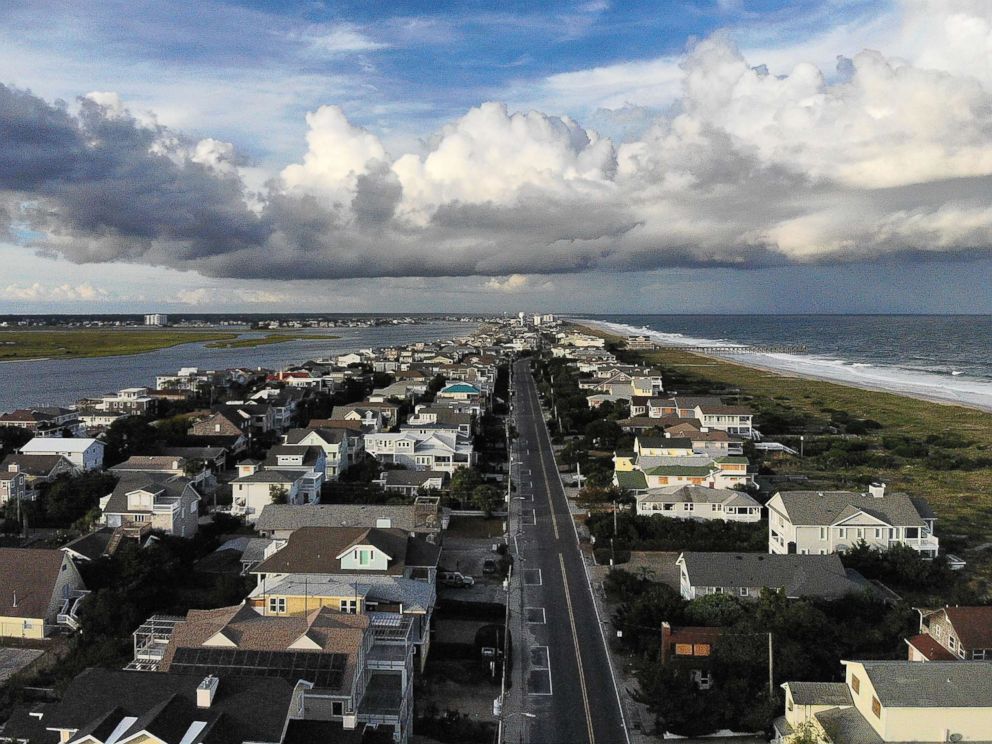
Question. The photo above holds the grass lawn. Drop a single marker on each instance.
(962, 498)
(272, 338)
(96, 342)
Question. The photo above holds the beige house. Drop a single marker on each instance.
(821, 522)
(892, 701)
(41, 589)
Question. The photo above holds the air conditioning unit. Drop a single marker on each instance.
(349, 721)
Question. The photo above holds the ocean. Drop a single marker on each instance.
(939, 357)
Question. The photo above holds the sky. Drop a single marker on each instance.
(752, 156)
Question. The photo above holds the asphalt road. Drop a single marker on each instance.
(567, 694)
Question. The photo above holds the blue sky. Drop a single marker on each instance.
(638, 109)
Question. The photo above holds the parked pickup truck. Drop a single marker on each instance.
(453, 578)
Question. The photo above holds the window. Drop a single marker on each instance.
(841, 533)
(683, 649)
(876, 707)
(936, 631)
(277, 604)
(743, 591)
(952, 642)
(878, 533)
(912, 532)
(823, 533)
(349, 606)
(980, 655)
(337, 708)
(855, 684)
(701, 649)
(364, 557)
(689, 506)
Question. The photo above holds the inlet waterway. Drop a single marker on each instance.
(64, 381)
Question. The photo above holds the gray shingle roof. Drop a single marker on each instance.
(243, 709)
(797, 575)
(827, 507)
(935, 684)
(173, 485)
(698, 495)
(290, 517)
(269, 476)
(847, 724)
(820, 693)
(331, 436)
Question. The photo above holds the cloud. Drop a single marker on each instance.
(342, 38)
(38, 292)
(748, 169)
(229, 296)
(516, 283)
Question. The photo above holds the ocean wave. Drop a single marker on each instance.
(933, 384)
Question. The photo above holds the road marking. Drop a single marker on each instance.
(616, 689)
(547, 489)
(532, 577)
(578, 656)
(539, 677)
(526, 514)
(535, 616)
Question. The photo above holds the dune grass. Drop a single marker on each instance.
(961, 496)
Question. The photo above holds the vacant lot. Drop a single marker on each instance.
(96, 342)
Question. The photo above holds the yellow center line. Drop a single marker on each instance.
(578, 656)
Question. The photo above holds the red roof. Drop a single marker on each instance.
(931, 650)
(973, 625)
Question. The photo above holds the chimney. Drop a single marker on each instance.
(666, 634)
(206, 691)
(877, 490)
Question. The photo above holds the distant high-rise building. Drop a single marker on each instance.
(156, 319)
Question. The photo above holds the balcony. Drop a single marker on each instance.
(69, 614)
(385, 700)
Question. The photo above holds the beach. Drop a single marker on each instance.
(959, 390)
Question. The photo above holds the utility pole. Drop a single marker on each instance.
(771, 663)
(802, 441)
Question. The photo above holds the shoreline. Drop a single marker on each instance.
(602, 328)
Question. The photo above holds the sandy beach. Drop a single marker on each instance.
(949, 390)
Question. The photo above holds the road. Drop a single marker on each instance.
(563, 690)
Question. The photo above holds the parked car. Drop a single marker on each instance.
(489, 566)
(453, 578)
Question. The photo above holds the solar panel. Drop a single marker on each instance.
(325, 671)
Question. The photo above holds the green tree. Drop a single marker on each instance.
(12, 438)
(714, 610)
(486, 498)
(278, 494)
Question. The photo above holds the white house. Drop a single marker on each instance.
(736, 420)
(84, 454)
(333, 442)
(256, 489)
(696, 502)
(821, 522)
(442, 451)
